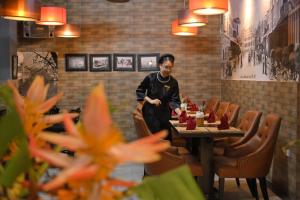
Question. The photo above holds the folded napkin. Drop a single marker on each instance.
(224, 123)
(194, 107)
(183, 117)
(191, 123)
(173, 113)
(211, 118)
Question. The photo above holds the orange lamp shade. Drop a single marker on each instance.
(208, 7)
(53, 16)
(68, 31)
(190, 19)
(182, 30)
(20, 10)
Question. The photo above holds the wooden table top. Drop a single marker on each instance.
(176, 123)
(208, 132)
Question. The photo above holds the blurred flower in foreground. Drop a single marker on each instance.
(34, 105)
(99, 147)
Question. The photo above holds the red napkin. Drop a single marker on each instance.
(194, 107)
(211, 118)
(191, 123)
(183, 117)
(224, 123)
(173, 113)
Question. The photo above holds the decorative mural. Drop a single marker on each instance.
(261, 40)
(37, 63)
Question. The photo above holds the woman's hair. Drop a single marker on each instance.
(166, 57)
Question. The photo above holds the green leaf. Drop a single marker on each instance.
(18, 164)
(10, 124)
(177, 184)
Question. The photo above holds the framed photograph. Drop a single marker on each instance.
(14, 67)
(124, 62)
(100, 62)
(76, 62)
(148, 62)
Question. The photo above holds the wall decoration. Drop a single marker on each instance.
(124, 62)
(76, 62)
(100, 62)
(148, 62)
(262, 40)
(35, 63)
(14, 67)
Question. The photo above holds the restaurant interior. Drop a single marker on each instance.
(71, 125)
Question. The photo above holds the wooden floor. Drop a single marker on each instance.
(232, 192)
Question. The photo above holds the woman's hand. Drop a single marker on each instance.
(156, 102)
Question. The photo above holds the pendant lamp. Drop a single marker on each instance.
(21, 10)
(68, 31)
(208, 7)
(53, 16)
(183, 31)
(189, 19)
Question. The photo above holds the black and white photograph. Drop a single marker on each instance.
(262, 43)
(148, 62)
(100, 62)
(14, 65)
(124, 62)
(76, 62)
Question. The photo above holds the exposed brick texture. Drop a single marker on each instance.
(139, 26)
(272, 97)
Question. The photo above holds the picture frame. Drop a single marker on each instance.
(100, 62)
(124, 62)
(76, 62)
(14, 66)
(148, 62)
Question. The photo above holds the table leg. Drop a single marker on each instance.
(206, 159)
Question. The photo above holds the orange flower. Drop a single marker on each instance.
(32, 107)
(98, 144)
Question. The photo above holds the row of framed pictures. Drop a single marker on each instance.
(103, 62)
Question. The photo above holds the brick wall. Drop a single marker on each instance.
(139, 26)
(280, 98)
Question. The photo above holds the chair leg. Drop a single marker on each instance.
(221, 188)
(263, 187)
(237, 180)
(252, 186)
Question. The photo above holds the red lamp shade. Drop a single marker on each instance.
(182, 30)
(21, 10)
(53, 16)
(189, 19)
(68, 31)
(208, 7)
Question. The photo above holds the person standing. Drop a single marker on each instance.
(157, 93)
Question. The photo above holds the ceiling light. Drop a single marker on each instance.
(21, 10)
(68, 31)
(208, 7)
(53, 16)
(189, 19)
(182, 30)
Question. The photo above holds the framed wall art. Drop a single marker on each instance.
(148, 62)
(76, 62)
(124, 62)
(14, 67)
(100, 62)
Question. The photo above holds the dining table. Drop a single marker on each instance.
(205, 136)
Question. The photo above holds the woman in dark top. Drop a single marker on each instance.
(157, 93)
